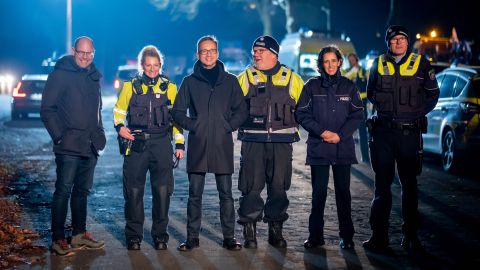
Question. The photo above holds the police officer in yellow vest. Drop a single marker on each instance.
(271, 91)
(403, 88)
(358, 75)
(142, 119)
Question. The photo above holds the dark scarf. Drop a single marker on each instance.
(210, 74)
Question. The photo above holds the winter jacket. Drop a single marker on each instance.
(330, 103)
(213, 113)
(71, 109)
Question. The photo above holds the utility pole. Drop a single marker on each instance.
(327, 15)
(69, 27)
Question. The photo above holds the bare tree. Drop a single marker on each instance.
(312, 14)
(178, 8)
(390, 13)
(264, 7)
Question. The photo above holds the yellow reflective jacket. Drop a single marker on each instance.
(121, 108)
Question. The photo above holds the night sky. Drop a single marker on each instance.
(31, 30)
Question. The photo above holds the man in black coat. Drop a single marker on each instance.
(71, 111)
(216, 107)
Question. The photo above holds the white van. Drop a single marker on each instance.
(299, 51)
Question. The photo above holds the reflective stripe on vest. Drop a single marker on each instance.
(291, 130)
(279, 79)
(409, 68)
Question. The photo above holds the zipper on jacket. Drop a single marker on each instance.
(269, 121)
(150, 120)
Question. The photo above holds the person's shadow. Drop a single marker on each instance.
(83, 259)
(383, 259)
(351, 259)
(315, 258)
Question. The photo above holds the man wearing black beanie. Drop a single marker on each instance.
(271, 91)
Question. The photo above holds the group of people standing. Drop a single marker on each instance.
(266, 103)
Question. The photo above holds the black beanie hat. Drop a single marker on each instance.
(395, 30)
(267, 42)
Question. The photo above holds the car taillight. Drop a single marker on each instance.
(468, 107)
(17, 92)
(116, 83)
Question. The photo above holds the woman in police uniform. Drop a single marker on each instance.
(142, 116)
(330, 110)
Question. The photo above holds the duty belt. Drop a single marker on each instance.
(397, 124)
(140, 135)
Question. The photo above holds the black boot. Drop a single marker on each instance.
(411, 243)
(377, 242)
(250, 235)
(275, 237)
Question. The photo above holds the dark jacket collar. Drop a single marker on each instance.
(149, 81)
(391, 58)
(328, 80)
(67, 63)
(272, 71)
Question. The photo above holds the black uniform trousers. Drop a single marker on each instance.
(156, 158)
(264, 163)
(390, 145)
(341, 181)
(194, 206)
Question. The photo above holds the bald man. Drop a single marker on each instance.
(71, 112)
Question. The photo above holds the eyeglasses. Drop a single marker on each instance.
(85, 54)
(205, 51)
(259, 51)
(398, 40)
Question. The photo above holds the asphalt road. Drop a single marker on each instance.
(447, 202)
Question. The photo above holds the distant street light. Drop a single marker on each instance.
(69, 27)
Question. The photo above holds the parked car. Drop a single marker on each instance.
(453, 126)
(27, 96)
(124, 73)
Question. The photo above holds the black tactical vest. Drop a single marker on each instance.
(149, 112)
(399, 94)
(271, 107)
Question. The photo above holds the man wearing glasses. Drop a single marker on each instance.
(71, 111)
(272, 91)
(216, 107)
(403, 88)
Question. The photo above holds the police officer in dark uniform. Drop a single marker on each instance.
(142, 118)
(403, 88)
